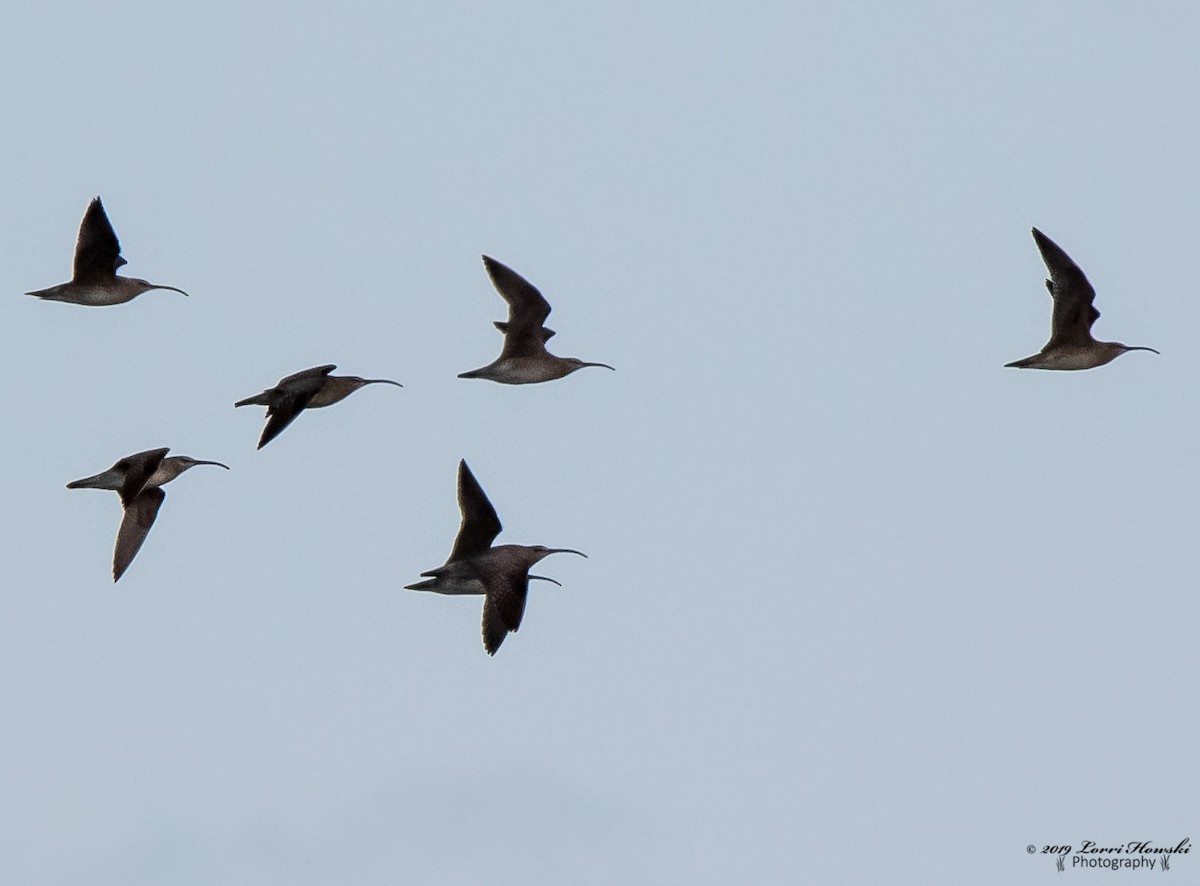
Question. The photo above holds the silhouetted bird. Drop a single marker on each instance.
(1071, 345)
(524, 359)
(138, 479)
(310, 389)
(97, 257)
(500, 573)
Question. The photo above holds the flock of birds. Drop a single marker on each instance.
(500, 573)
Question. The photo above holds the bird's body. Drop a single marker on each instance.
(524, 359)
(94, 295)
(94, 280)
(500, 573)
(167, 470)
(1071, 357)
(1071, 345)
(137, 479)
(308, 389)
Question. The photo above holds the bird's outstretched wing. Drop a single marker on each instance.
(524, 334)
(281, 413)
(97, 251)
(480, 524)
(503, 607)
(1074, 313)
(135, 525)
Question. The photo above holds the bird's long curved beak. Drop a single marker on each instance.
(381, 381)
(217, 463)
(544, 578)
(565, 551)
(1139, 348)
(172, 288)
(605, 365)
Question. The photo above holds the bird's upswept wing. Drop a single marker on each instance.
(524, 334)
(97, 251)
(480, 524)
(1074, 313)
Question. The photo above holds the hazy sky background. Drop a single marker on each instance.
(862, 606)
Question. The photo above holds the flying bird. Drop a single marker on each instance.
(310, 389)
(94, 280)
(500, 574)
(524, 359)
(138, 479)
(1071, 345)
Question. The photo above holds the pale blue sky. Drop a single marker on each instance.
(862, 606)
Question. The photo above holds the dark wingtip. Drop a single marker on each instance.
(1044, 243)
